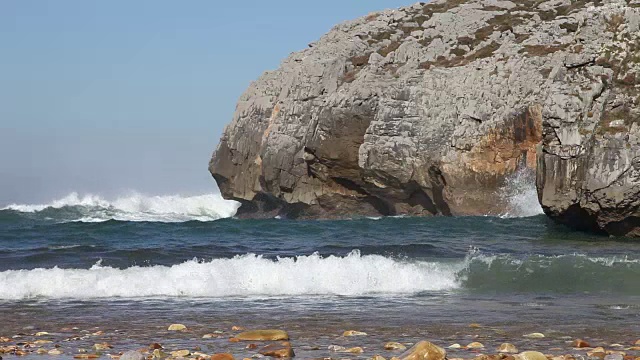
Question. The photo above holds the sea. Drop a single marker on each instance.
(127, 268)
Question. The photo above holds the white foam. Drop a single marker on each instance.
(545, 261)
(521, 195)
(247, 275)
(72, 199)
(138, 207)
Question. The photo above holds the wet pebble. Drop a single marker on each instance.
(55, 352)
(475, 345)
(394, 346)
(535, 335)
(488, 357)
(280, 349)
(181, 353)
(616, 356)
(354, 333)
(86, 356)
(263, 335)
(159, 354)
(508, 348)
(103, 346)
(531, 355)
(426, 351)
(132, 355)
(177, 327)
(222, 356)
(596, 352)
(579, 343)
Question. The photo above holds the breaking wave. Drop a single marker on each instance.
(252, 275)
(136, 207)
(246, 275)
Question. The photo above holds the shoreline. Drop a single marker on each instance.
(200, 342)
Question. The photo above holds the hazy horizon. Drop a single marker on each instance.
(110, 98)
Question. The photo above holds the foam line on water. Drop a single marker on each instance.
(246, 275)
(135, 207)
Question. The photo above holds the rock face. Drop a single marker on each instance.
(589, 164)
(428, 109)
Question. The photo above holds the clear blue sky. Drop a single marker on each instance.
(111, 96)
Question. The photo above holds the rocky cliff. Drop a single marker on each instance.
(428, 109)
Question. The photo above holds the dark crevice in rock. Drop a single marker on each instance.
(580, 219)
(293, 211)
(380, 205)
(261, 206)
(350, 185)
(628, 226)
(419, 197)
(438, 184)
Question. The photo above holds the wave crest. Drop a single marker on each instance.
(252, 275)
(246, 275)
(135, 207)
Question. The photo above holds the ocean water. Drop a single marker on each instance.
(131, 266)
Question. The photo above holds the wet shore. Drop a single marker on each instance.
(307, 340)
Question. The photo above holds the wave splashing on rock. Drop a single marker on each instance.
(521, 195)
(135, 207)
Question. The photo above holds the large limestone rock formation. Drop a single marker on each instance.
(589, 165)
(428, 109)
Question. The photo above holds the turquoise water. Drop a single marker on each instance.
(385, 276)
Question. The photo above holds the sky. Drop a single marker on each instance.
(110, 97)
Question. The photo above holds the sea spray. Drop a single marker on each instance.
(521, 195)
(135, 207)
